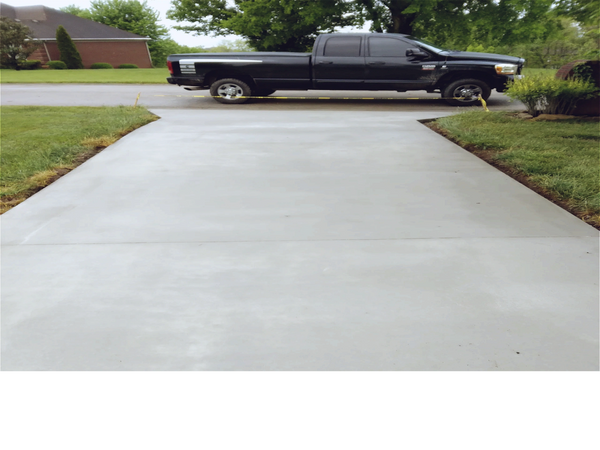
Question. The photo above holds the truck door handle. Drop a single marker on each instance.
(325, 62)
(376, 63)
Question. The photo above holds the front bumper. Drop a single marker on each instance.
(502, 81)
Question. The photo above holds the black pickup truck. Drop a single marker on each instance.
(341, 61)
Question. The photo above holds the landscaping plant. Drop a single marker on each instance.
(68, 52)
(101, 66)
(542, 94)
(57, 65)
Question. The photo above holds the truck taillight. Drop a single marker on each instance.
(170, 67)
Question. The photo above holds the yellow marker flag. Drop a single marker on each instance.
(484, 104)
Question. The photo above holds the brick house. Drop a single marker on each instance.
(95, 42)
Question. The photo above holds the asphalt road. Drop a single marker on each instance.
(167, 96)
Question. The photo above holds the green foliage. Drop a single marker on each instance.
(584, 11)
(266, 25)
(161, 49)
(583, 72)
(568, 42)
(550, 95)
(76, 11)
(101, 66)
(57, 65)
(489, 23)
(128, 66)
(31, 64)
(16, 43)
(291, 25)
(68, 52)
(239, 45)
(129, 15)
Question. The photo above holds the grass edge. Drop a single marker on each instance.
(487, 155)
(47, 177)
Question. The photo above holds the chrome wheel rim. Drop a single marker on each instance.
(467, 93)
(230, 91)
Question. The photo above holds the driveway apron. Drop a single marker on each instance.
(295, 240)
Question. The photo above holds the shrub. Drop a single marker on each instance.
(101, 66)
(31, 64)
(57, 65)
(16, 43)
(128, 66)
(549, 95)
(68, 52)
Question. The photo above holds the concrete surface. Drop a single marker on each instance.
(295, 240)
(168, 96)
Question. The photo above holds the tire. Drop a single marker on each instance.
(263, 92)
(230, 91)
(468, 89)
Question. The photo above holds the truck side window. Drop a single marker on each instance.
(387, 47)
(342, 46)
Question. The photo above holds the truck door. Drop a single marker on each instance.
(388, 67)
(340, 63)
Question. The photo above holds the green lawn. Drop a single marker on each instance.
(41, 143)
(558, 158)
(126, 76)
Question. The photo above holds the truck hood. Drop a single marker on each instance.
(492, 57)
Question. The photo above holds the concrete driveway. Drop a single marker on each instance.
(295, 240)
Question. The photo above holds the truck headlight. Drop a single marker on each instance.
(506, 69)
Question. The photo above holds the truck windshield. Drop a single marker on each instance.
(428, 45)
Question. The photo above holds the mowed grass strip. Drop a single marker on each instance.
(101, 76)
(558, 159)
(41, 143)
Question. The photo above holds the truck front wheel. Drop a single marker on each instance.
(230, 91)
(466, 92)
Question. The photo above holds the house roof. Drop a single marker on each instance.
(44, 21)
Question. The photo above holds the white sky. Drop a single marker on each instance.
(162, 6)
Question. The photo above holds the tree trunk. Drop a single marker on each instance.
(401, 23)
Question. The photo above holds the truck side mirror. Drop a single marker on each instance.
(416, 53)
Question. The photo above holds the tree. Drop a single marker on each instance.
(76, 11)
(267, 25)
(489, 22)
(16, 43)
(136, 17)
(68, 52)
(292, 25)
(584, 11)
(460, 22)
(133, 16)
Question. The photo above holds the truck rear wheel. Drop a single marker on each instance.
(466, 92)
(230, 91)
